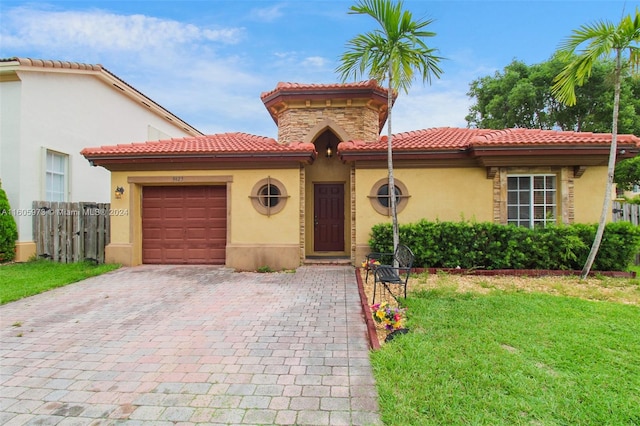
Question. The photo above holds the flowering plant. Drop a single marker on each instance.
(391, 317)
(372, 262)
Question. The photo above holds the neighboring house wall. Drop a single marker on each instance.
(63, 110)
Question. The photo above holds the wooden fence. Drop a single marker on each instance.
(71, 232)
(626, 212)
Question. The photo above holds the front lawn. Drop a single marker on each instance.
(18, 280)
(513, 356)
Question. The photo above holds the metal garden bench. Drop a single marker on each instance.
(395, 273)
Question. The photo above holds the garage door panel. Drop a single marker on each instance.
(196, 212)
(184, 225)
(173, 213)
(173, 234)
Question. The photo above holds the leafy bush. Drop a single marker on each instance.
(8, 230)
(493, 246)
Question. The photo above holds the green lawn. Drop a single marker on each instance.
(511, 358)
(18, 280)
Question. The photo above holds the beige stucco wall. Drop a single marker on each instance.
(589, 195)
(251, 236)
(436, 194)
(254, 240)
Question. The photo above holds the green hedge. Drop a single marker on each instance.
(8, 229)
(492, 246)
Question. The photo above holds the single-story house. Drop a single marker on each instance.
(49, 111)
(248, 201)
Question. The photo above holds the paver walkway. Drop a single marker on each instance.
(189, 345)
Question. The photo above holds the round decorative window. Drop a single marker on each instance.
(380, 199)
(268, 196)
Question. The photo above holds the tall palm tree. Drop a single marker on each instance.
(391, 52)
(600, 40)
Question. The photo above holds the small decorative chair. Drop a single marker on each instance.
(395, 274)
(381, 258)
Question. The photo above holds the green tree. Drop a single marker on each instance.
(8, 229)
(598, 40)
(520, 96)
(627, 174)
(391, 53)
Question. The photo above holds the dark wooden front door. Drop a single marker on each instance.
(328, 217)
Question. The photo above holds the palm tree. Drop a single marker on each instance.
(391, 52)
(600, 40)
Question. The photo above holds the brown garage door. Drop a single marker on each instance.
(184, 224)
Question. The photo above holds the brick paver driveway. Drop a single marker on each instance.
(187, 345)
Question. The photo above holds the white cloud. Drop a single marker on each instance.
(315, 61)
(266, 14)
(211, 76)
(426, 108)
(25, 27)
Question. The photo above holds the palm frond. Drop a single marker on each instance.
(397, 48)
(590, 43)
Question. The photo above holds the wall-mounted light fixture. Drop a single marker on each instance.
(329, 151)
(119, 191)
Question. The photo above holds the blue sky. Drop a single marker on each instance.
(208, 61)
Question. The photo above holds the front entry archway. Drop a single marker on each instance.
(327, 209)
(328, 217)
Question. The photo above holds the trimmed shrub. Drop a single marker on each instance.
(492, 246)
(8, 230)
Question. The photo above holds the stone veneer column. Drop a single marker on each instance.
(359, 122)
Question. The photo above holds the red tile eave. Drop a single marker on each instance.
(272, 157)
(315, 95)
(287, 92)
(566, 150)
(296, 90)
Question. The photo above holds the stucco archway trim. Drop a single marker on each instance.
(322, 126)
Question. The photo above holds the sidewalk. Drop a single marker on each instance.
(189, 345)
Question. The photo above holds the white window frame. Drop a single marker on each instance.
(51, 172)
(532, 221)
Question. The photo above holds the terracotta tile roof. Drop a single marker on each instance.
(441, 138)
(224, 143)
(287, 92)
(448, 138)
(511, 137)
(46, 63)
(320, 88)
